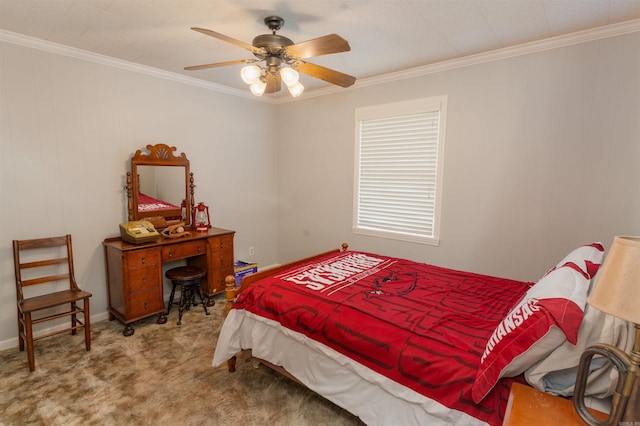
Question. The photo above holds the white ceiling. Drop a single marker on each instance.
(386, 36)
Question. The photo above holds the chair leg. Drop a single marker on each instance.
(199, 291)
(20, 330)
(181, 308)
(193, 297)
(188, 295)
(29, 339)
(87, 325)
(173, 293)
(74, 320)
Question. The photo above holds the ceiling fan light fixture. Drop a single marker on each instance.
(296, 89)
(289, 76)
(250, 73)
(258, 87)
(283, 59)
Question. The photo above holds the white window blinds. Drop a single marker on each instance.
(397, 177)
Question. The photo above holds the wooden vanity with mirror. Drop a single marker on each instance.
(160, 189)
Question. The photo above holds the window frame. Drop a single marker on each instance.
(397, 109)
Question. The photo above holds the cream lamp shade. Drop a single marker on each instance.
(617, 291)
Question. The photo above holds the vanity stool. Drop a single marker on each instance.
(188, 277)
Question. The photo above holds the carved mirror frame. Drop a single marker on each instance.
(160, 155)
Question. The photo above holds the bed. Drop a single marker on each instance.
(400, 342)
(150, 207)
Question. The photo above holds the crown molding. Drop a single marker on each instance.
(598, 33)
(593, 34)
(60, 49)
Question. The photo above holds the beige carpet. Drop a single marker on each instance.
(161, 375)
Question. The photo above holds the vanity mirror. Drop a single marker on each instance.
(160, 187)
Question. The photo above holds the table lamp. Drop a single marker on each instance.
(617, 293)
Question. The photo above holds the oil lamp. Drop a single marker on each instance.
(201, 220)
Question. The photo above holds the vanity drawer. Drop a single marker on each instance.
(222, 243)
(180, 251)
(222, 261)
(145, 303)
(142, 279)
(141, 258)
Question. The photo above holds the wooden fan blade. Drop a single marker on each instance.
(229, 40)
(274, 83)
(222, 64)
(325, 45)
(326, 74)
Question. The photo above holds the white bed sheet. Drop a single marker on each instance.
(375, 399)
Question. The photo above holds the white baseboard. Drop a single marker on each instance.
(13, 342)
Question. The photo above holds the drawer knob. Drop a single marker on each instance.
(170, 254)
(146, 305)
(142, 259)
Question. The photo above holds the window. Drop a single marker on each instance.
(398, 181)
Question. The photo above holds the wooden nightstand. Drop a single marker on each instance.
(529, 406)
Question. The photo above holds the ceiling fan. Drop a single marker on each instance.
(283, 59)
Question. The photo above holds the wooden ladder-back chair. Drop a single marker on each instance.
(60, 268)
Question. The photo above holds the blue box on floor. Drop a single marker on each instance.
(240, 269)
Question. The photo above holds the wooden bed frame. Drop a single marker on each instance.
(232, 292)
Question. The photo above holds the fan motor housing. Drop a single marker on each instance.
(272, 43)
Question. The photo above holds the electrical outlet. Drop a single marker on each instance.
(251, 251)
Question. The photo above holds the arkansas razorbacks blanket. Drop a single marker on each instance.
(422, 326)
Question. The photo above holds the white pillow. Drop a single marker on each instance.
(549, 313)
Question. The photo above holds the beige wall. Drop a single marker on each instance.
(68, 128)
(542, 155)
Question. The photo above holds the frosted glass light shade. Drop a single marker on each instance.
(258, 87)
(289, 76)
(296, 89)
(250, 73)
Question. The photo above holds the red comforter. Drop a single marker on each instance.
(150, 204)
(422, 326)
